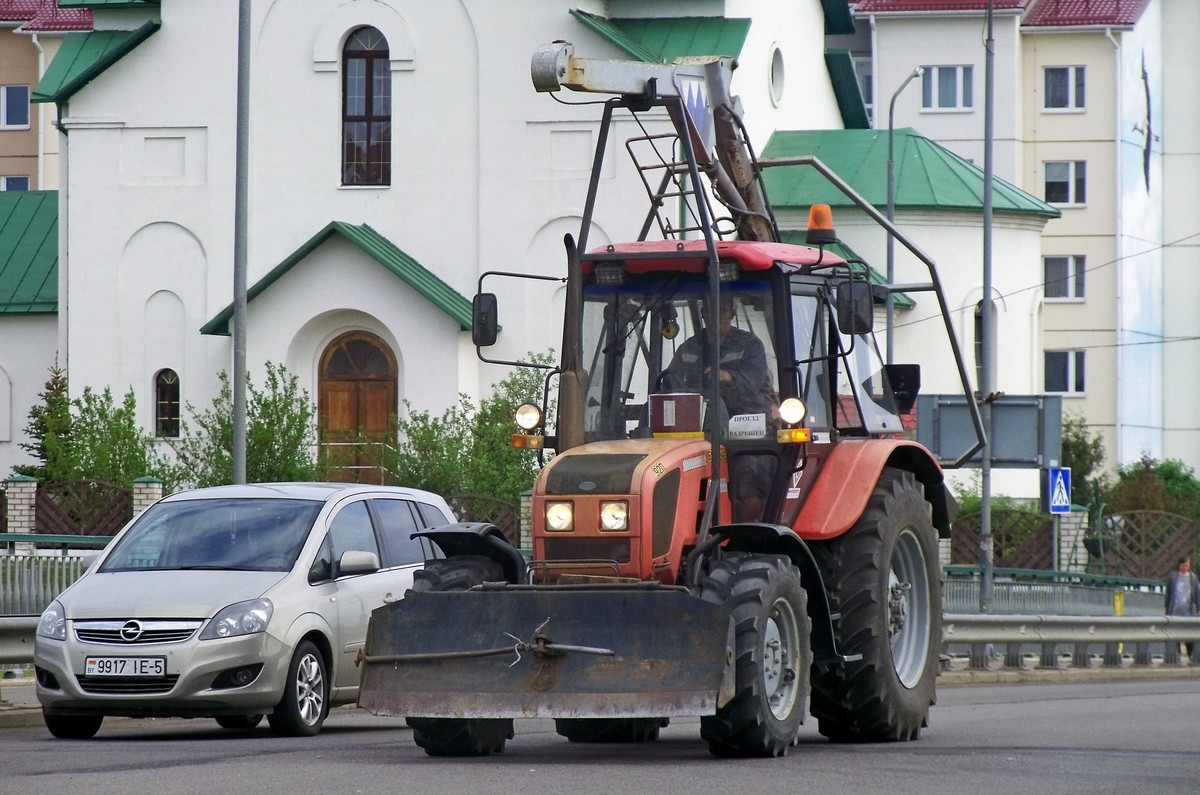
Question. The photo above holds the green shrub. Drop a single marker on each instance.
(280, 434)
(91, 438)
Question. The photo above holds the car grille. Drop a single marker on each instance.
(135, 633)
(106, 685)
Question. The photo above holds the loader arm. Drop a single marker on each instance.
(714, 118)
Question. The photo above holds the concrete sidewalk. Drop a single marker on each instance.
(18, 703)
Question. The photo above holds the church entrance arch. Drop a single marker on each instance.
(356, 405)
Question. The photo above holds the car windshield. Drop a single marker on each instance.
(231, 534)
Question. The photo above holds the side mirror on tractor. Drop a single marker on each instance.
(855, 307)
(484, 326)
(905, 380)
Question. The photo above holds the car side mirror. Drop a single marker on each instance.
(356, 561)
(484, 325)
(855, 307)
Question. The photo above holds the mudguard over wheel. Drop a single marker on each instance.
(305, 703)
(882, 577)
(459, 736)
(770, 615)
(610, 730)
(73, 727)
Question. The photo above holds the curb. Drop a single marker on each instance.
(1065, 675)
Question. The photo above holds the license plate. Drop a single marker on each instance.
(126, 666)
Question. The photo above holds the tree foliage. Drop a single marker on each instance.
(1153, 485)
(49, 427)
(467, 449)
(1083, 452)
(90, 438)
(280, 434)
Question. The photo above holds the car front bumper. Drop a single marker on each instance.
(197, 681)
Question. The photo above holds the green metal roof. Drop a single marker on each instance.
(84, 56)
(378, 248)
(927, 176)
(28, 252)
(663, 39)
(845, 88)
(857, 263)
(837, 17)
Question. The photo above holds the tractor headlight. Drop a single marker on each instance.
(528, 416)
(792, 410)
(560, 516)
(614, 515)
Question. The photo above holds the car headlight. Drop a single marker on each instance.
(53, 623)
(560, 516)
(614, 515)
(243, 618)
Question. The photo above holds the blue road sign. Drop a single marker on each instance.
(1059, 489)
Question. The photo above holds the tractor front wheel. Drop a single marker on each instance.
(882, 578)
(772, 655)
(459, 736)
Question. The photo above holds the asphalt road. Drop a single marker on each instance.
(1126, 737)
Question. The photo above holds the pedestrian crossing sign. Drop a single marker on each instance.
(1059, 489)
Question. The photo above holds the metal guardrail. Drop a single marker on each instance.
(65, 541)
(1013, 632)
(16, 639)
(1151, 638)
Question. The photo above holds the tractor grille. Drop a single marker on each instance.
(593, 474)
(134, 632)
(126, 687)
(590, 549)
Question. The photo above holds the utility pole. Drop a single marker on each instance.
(988, 349)
(240, 213)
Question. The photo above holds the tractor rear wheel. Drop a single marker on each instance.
(769, 610)
(610, 730)
(882, 577)
(459, 736)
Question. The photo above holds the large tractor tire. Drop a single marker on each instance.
(772, 651)
(882, 578)
(610, 730)
(459, 736)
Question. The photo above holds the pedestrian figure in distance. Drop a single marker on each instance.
(1181, 594)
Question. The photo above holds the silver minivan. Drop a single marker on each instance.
(234, 603)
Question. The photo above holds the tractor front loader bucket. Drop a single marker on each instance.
(548, 652)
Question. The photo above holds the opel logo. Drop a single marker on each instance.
(131, 631)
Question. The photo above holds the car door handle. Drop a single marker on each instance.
(388, 598)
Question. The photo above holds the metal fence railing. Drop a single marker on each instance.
(28, 583)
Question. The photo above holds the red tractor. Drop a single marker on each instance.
(734, 524)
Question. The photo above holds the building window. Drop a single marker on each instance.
(1064, 372)
(864, 71)
(1063, 277)
(1064, 88)
(947, 88)
(14, 107)
(366, 109)
(166, 404)
(14, 183)
(1066, 182)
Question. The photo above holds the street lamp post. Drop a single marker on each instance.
(891, 208)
